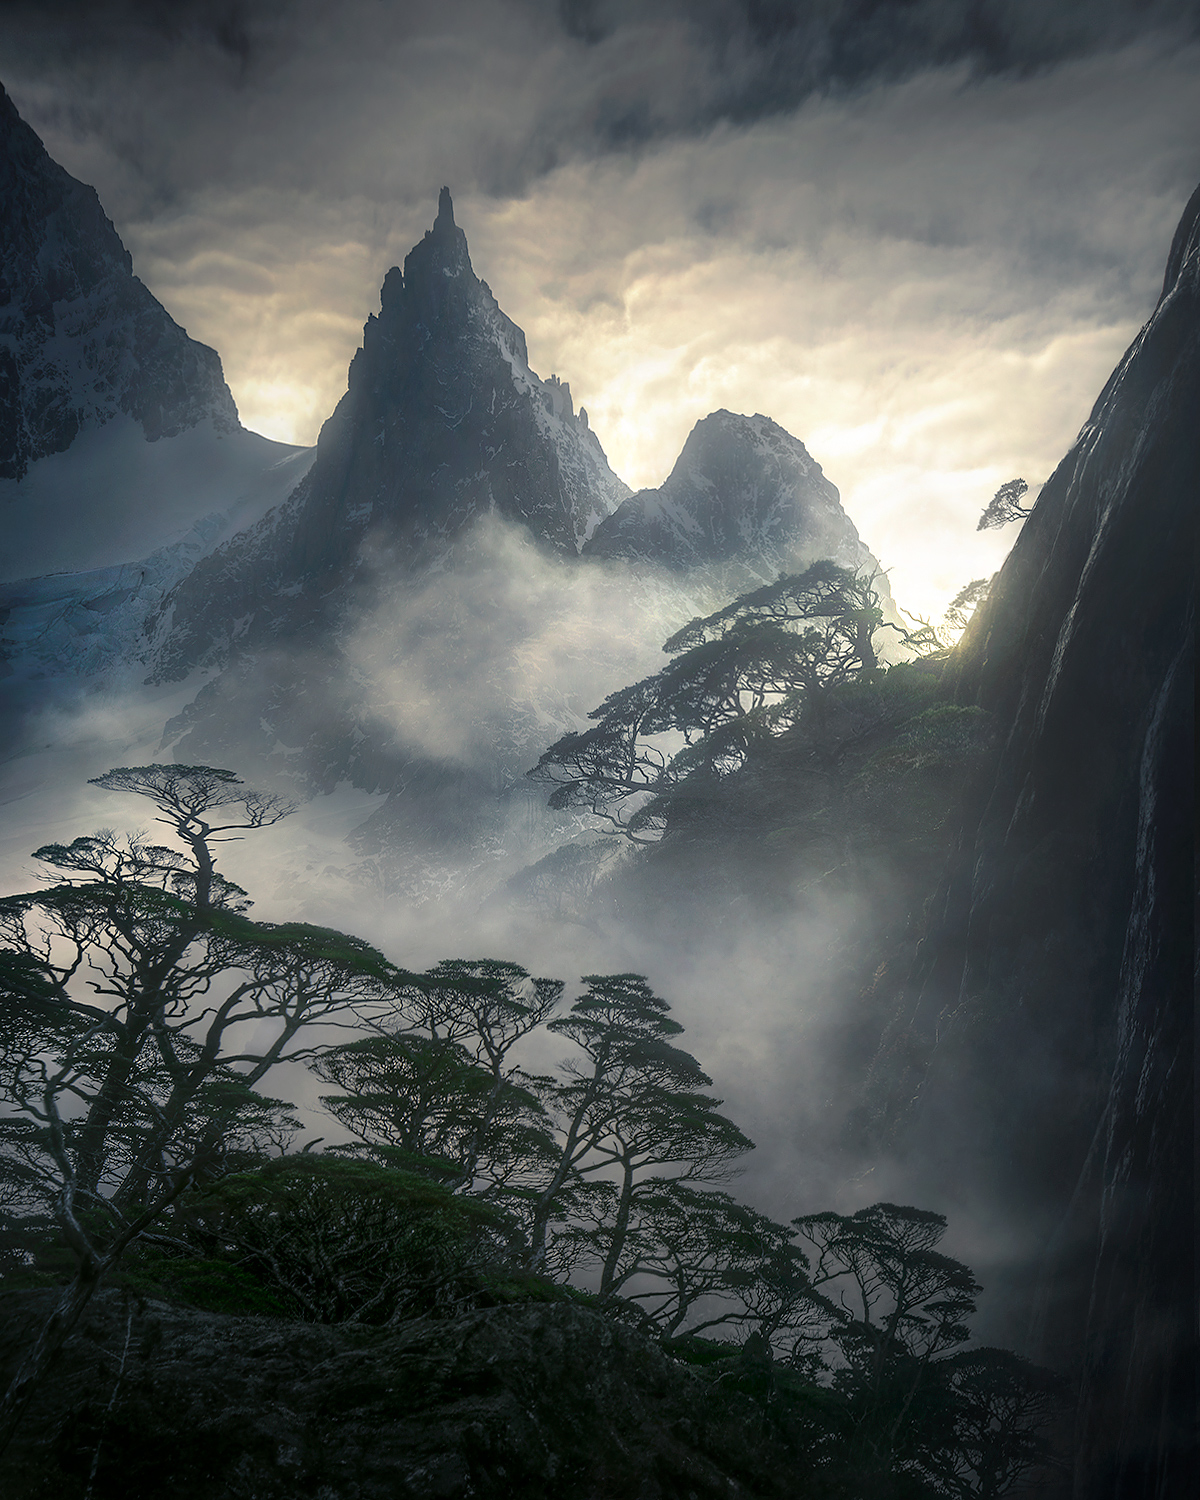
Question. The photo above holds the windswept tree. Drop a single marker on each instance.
(915, 1402)
(571, 1157)
(630, 1103)
(695, 1259)
(437, 1087)
(1005, 506)
(741, 675)
(935, 641)
(964, 604)
(140, 1008)
(1002, 1406)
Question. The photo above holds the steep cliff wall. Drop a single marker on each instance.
(1053, 998)
(81, 339)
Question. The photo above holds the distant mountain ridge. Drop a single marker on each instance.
(81, 339)
(742, 488)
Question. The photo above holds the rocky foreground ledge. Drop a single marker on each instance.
(545, 1401)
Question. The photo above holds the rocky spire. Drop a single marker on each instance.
(442, 422)
(445, 213)
(441, 256)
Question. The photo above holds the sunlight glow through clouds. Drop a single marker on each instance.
(927, 284)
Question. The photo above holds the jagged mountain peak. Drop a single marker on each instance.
(443, 422)
(444, 419)
(743, 491)
(441, 253)
(34, 188)
(82, 341)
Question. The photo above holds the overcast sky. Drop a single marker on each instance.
(919, 235)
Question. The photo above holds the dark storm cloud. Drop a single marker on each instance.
(621, 73)
(790, 48)
(765, 57)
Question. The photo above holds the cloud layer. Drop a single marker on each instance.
(919, 244)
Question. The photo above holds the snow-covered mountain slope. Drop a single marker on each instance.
(113, 498)
(81, 339)
(94, 621)
(122, 460)
(443, 422)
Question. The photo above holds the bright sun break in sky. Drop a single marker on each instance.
(927, 277)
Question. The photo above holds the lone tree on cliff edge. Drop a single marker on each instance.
(1005, 506)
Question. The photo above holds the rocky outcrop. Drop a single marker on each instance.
(81, 339)
(544, 1402)
(1053, 1002)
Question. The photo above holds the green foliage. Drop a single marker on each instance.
(335, 1240)
(429, 1101)
(739, 677)
(946, 737)
(140, 1147)
(891, 697)
(436, 1085)
(215, 1286)
(133, 990)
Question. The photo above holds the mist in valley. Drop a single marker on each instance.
(913, 896)
(468, 671)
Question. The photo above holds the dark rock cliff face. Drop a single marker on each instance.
(742, 488)
(443, 426)
(81, 339)
(1052, 1004)
(546, 1402)
(443, 421)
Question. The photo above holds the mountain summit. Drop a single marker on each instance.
(443, 422)
(743, 490)
(81, 339)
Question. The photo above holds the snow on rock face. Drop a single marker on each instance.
(81, 339)
(90, 613)
(742, 488)
(112, 497)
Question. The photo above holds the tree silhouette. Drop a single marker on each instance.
(436, 1088)
(632, 1103)
(963, 1422)
(134, 990)
(1004, 506)
(741, 675)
